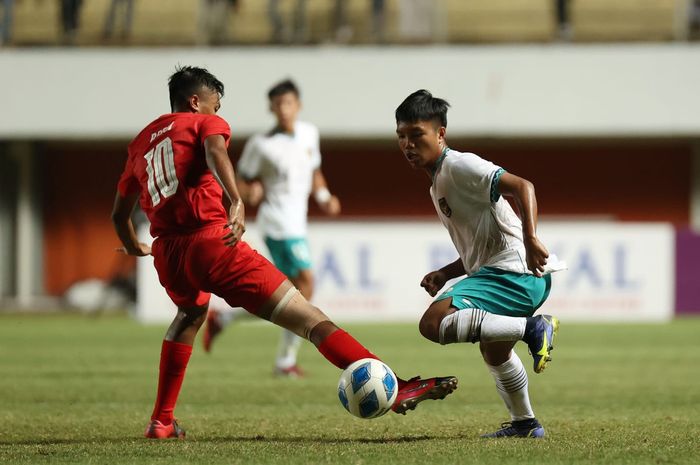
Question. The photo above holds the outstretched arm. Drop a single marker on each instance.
(523, 192)
(220, 165)
(121, 219)
(326, 201)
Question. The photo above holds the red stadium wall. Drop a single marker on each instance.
(78, 190)
(621, 181)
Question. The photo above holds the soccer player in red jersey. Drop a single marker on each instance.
(179, 170)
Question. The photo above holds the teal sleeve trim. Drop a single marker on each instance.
(495, 195)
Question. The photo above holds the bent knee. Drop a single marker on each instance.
(429, 327)
(431, 321)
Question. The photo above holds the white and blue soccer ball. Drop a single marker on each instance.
(367, 388)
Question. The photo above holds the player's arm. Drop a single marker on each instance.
(220, 165)
(329, 203)
(251, 190)
(433, 281)
(121, 219)
(523, 193)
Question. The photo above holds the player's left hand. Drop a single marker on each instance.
(141, 251)
(236, 223)
(536, 255)
(332, 207)
(433, 282)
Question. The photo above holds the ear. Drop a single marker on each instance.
(194, 103)
(441, 132)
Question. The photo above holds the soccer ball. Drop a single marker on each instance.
(367, 388)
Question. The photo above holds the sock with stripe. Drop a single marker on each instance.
(474, 324)
(511, 383)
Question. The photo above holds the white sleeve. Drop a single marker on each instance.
(315, 149)
(475, 176)
(251, 160)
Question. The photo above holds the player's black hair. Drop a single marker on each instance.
(187, 80)
(422, 106)
(282, 88)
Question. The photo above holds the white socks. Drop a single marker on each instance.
(473, 324)
(496, 328)
(288, 349)
(511, 382)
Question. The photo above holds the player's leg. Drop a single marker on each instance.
(512, 384)
(288, 308)
(169, 260)
(453, 318)
(293, 258)
(245, 278)
(288, 350)
(174, 357)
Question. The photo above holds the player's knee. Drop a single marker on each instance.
(429, 328)
(195, 316)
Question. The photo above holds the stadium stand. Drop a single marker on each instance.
(177, 22)
(627, 20)
(488, 21)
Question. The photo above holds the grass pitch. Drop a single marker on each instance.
(80, 390)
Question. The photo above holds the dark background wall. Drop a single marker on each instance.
(616, 180)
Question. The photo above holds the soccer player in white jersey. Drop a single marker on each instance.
(506, 264)
(279, 170)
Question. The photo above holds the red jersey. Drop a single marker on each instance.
(167, 165)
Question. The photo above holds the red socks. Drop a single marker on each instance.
(173, 363)
(341, 349)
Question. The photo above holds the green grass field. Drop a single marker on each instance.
(75, 389)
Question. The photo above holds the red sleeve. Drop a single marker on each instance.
(214, 125)
(128, 183)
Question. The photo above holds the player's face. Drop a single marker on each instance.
(286, 108)
(421, 142)
(207, 102)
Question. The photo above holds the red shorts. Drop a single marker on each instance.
(192, 266)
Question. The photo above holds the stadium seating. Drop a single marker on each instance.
(489, 21)
(626, 20)
(176, 22)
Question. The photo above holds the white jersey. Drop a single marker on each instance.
(284, 163)
(483, 226)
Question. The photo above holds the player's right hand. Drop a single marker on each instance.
(256, 193)
(236, 224)
(433, 282)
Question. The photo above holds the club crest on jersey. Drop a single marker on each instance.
(444, 208)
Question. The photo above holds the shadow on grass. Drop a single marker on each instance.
(225, 439)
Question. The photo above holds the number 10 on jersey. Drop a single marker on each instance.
(160, 167)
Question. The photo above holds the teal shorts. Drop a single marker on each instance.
(500, 292)
(290, 256)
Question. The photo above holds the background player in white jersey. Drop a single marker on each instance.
(279, 170)
(507, 266)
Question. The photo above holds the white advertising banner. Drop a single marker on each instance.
(371, 270)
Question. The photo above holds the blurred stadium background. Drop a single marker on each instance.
(595, 101)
